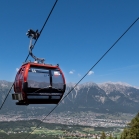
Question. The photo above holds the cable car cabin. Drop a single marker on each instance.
(39, 84)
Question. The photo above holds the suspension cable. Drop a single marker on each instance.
(83, 77)
(28, 54)
(6, 96)
(44, 24)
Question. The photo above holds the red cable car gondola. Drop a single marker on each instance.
(38, 83)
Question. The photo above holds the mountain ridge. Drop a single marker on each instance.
(105, 97)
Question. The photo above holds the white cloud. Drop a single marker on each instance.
(90, 73)
(17, 69)
(79, 75)
(72, 72)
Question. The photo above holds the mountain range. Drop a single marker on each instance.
(108, 97)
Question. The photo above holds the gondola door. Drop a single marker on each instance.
(17, 86)
(38, 84)
(21, 78)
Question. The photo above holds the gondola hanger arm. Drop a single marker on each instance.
(34, 35)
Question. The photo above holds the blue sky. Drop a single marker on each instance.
(76, 36)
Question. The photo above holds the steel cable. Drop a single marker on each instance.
(28, 54)
(83, 77)
(44, 24)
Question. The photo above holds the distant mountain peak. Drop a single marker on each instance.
(116, 83)
(89, 96)
(109, 87)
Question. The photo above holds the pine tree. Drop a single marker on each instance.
(110, 137)
(132, 131)
(103, 135)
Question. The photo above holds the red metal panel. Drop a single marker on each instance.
(22, 77)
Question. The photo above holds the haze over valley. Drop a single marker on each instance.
(106, 104)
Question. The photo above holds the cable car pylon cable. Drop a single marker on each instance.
(6, 96)
(83, 76)
(44, 24)
(28, 54)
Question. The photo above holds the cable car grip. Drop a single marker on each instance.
(33, 35)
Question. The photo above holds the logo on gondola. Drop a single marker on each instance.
(33, 70)
(56, 73)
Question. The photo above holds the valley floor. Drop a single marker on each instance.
(16, 129)
(69, 118)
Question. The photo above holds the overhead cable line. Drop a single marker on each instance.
(28, 54)
(83, 77)
(6, 96)
(44, 24)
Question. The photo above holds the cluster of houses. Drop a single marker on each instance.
(82, 135)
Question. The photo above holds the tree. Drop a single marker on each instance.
(110, 137)
(103, 135)
(132, 130)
